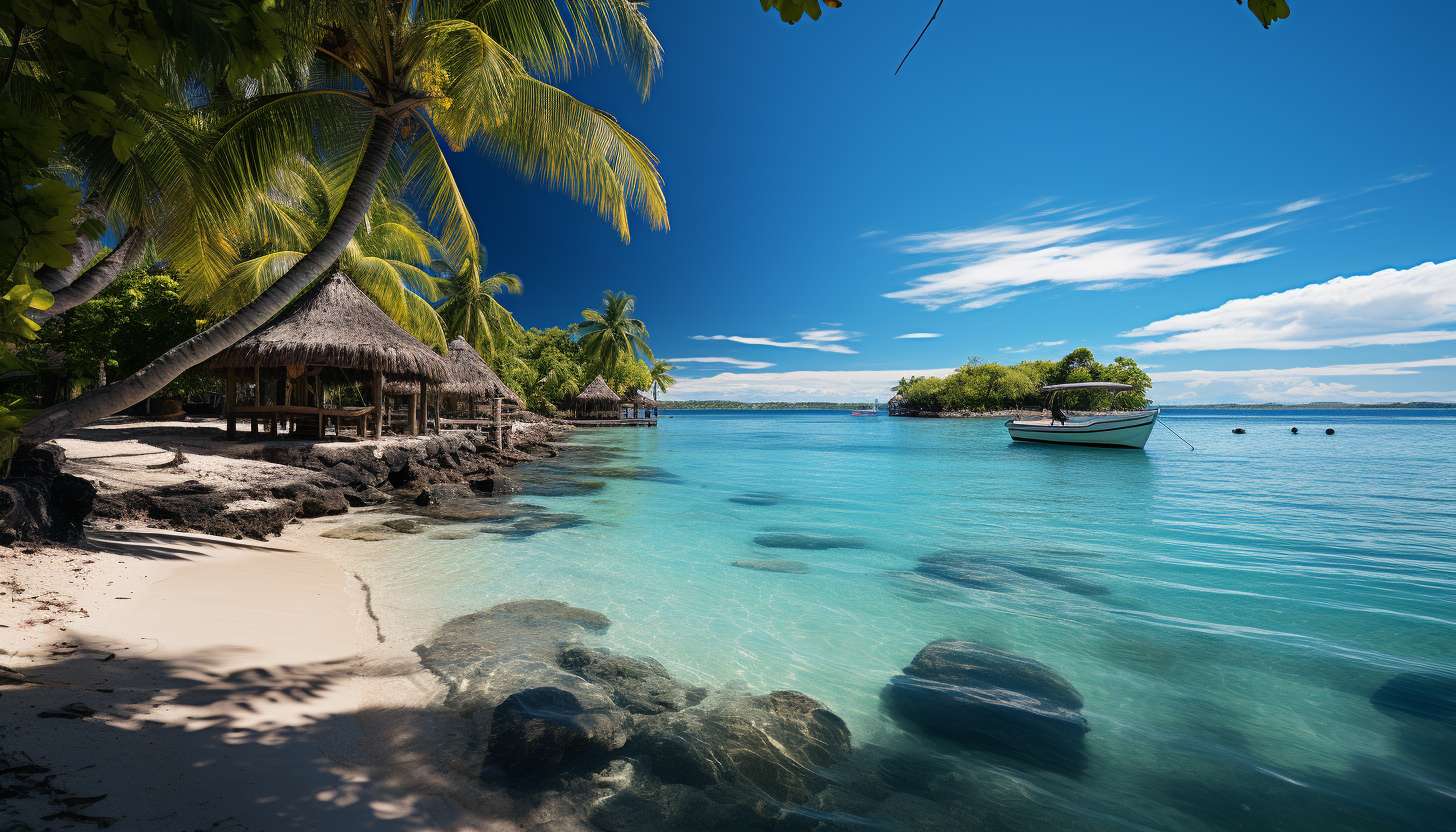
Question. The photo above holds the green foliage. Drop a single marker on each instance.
(134, 320)
(979, 386)
(629, 374)
(791, 10)
(1267, 11)
(544, 368)
(661, 381)
(612, 336)
(471, 310)
(89, 72)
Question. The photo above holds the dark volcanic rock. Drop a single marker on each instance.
(547, 731)
(38, 502)
(641, 686)
(993, 700)
(812, 542)
(791, 567)
(312, 500)
(1425, 695)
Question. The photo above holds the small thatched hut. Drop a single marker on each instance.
(638, 402)
(597, 401)
(471, 380)
(332, 335)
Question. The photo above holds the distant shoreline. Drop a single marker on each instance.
(727, 405)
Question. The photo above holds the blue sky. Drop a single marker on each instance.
(1246, 212)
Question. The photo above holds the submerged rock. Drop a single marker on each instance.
(640, 686)
(371, 532)
(1424, 695)
(533, 524)
(966, 571)
(404, 526)
(792, 567)
(754, 498)
(812, 542)
(993, 700)
(746, 748)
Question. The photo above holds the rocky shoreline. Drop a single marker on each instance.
(245, 489)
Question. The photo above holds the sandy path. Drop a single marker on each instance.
(248, 690)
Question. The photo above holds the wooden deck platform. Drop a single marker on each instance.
(612, 423)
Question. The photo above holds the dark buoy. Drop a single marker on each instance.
(1240, 430)
(1329, 431)
(1294, 430)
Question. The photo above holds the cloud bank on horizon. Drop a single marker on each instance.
(1391, 307)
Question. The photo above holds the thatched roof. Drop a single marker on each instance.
(470, 377)
(637, 397)
(598, 391)
(335, 324)
(399, 387)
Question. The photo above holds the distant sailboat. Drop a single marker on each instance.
(874, 412)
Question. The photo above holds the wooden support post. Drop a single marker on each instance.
(439, 408)
(227, 403)
(414, 414)
(318, 394)
(378, 404)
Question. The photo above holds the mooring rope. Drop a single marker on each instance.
(1175, 433)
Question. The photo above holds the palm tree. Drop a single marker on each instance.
(387, 259)
(148, 195)
(612, 334)
(375, 85)
(660, 378)
(471, 310)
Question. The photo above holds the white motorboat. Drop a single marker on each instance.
(1126, 429)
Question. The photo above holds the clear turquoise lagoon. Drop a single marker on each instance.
(1226, 612)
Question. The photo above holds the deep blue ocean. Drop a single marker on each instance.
(1227, 612)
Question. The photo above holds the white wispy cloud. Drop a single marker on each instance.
(1298, 384)
(1034, 346)
(824, 340)
(1300, 205)
(1240, 234)
(919, 335)
(995, 263)
(1389, 307)
(875, 232)
(798, 385)
(736, 362)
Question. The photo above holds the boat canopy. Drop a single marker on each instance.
(1085, 385)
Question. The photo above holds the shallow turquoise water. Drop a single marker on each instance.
(1226, 612)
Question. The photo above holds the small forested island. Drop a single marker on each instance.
(980, 386)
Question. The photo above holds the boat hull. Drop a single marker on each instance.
(1130, 431)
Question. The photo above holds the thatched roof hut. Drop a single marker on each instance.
(597, 401)
(598, 391)
(332, 334)
(471, 378)
(335, 325)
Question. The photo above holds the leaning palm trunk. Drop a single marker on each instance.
(128, 252)
(158, 374)
(53, 280)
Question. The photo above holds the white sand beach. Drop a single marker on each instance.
(235, 686)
